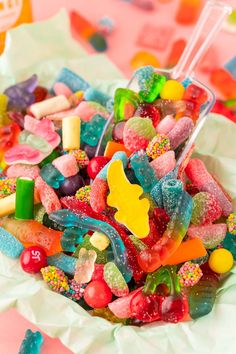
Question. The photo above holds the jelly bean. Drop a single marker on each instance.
(97, 294)
(96, 165)
(32, 259)
(31, 343)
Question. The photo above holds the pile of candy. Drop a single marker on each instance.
(132, 235)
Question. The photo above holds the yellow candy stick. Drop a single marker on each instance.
(132, 211)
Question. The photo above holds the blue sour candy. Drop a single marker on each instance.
(143, 171)
(32, 342)
(91, 131)
(69, 219)
(63, 262)
(171, 193)
(72, 80)
(92, 94)
(51, 176)
(9, 245)
(156, 192)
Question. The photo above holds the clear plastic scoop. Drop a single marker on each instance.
(208, 25)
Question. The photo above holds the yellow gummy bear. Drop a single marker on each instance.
(132, 211)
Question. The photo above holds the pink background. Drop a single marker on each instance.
(129, 21)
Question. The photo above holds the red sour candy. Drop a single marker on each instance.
(97, 294)
(145, 307)
(149, 111)
(96, 164)
(98, 272)
(33, 258)
(173, 308)
(117, 132)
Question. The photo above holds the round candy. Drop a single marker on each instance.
(221, 261)
(96, 165)
(33, 258)
(71, 185)
(172, 90)
(158, 146)
(97, 294)
(231, 223)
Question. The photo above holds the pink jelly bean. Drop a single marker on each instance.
(166, 124)
(86, 110)
(22, 170)
(47, 196)
(43, 128)
(164, 164)
(121, 307)
(67, 165)
(23, 154)
(180, 132)
(202, 179)
(98, 195)
(211, 235)
(61, 89)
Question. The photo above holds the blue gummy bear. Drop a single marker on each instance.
(9, 245)
(171, 193)
(156, 192)
(64, 262)
(92, 94)
(91, 131)
(52, 176)
(119, 155)
(32, 342)
(143, 171)
(72, 80)
(69, 219)
(72, 237)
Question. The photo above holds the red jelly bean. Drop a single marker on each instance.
(149, 111)
(96, 164)
(33, 258)
(117, 132)
(97, 294)
(145, 307)
(173, 308)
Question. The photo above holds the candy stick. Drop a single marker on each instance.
(49, 106)
(24, 198)
(21, 170)
(202, 179)
(31, 232)
(188, 250)
(7, 204)
(71, 133)
(171, 192)
(72, 203)
(69, 219)
(151, 259)
(47, 195)
(9, 245)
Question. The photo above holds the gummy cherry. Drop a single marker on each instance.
(96, 164)
(148, 111)
(173, 308)
(145, 307)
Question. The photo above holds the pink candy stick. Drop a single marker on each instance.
(44, 128)
(67, 165)
(98, 195)
(86, 110)
(180, 132)
(47, 196)
(61, 89)
(22, 170)
(164, 164)
(166, 125)
(202, 179)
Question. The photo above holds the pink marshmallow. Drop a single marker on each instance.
(67, 165)
(164, 164)
(166, 124)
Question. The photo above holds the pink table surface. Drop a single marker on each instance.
(12, 331)
(129, 21)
